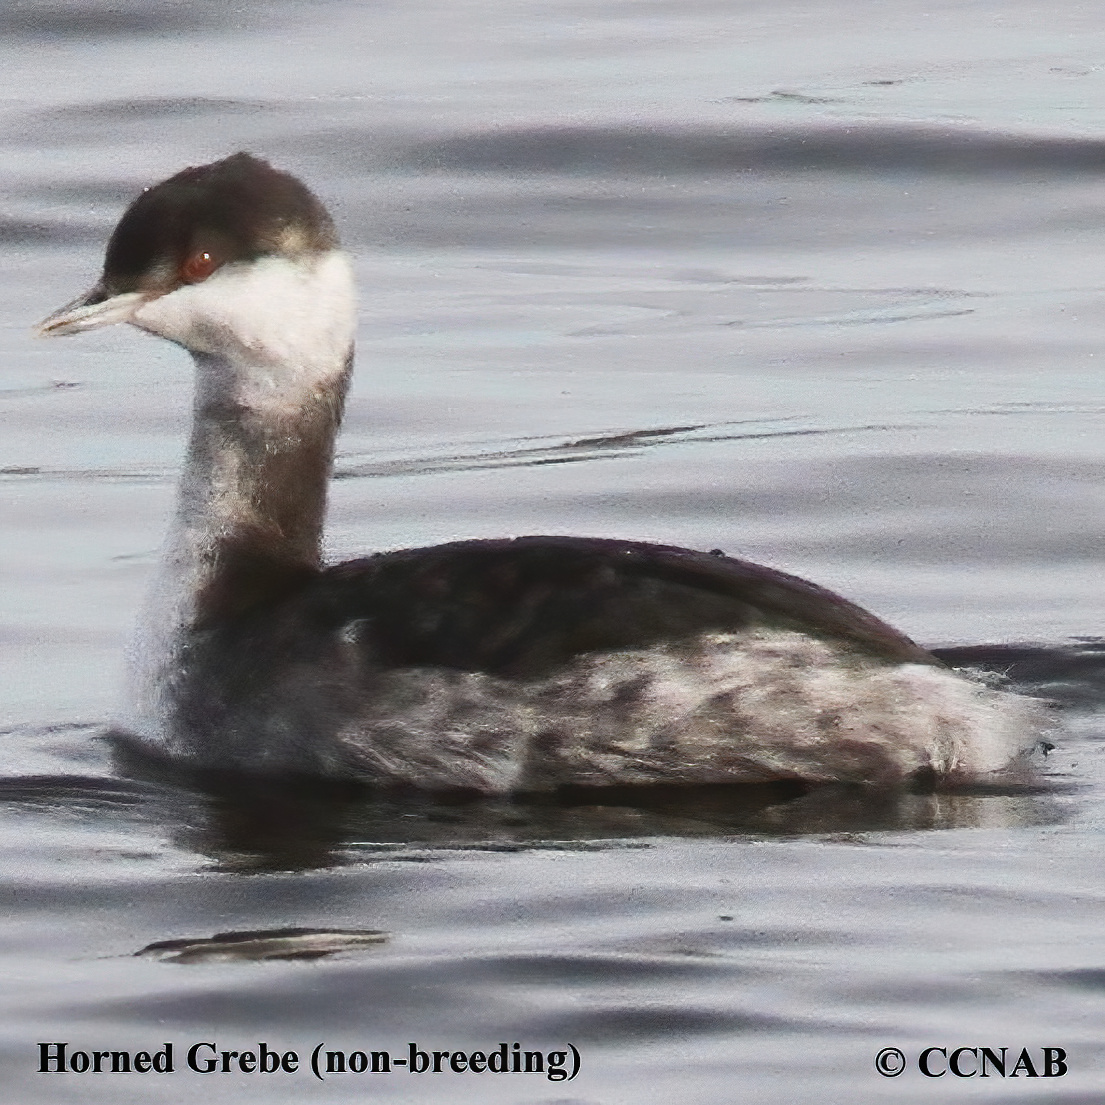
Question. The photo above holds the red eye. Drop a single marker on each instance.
(199, 266)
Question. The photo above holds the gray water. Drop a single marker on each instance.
(818, 284)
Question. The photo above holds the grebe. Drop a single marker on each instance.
(507, 665)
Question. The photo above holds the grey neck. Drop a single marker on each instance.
(252, 494)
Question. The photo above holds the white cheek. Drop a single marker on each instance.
(282, 326)
(169, 316)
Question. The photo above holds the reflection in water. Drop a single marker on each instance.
(261, 944)
(296, 824)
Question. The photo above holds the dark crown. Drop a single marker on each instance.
(237, 209)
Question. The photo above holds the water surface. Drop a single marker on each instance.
(815, 284)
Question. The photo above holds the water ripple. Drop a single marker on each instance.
(855, 147)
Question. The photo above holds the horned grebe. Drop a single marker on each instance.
(507, 665)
